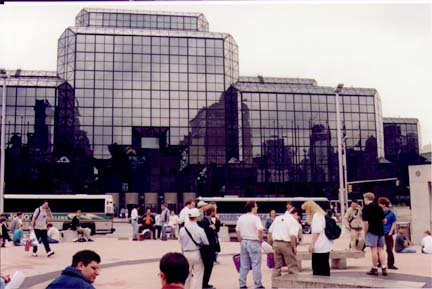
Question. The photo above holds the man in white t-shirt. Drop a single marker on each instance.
(283, 236)
(250, 232)
(426, 243)
(184, 213)
(134, 222)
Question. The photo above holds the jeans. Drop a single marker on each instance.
(52, 241)
(164, 234)
(408, 250)
(134, 229)
(250, 254)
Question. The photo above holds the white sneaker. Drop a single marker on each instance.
(34, 254)
(50, 253)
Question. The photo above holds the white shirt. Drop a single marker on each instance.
(158, 221)
(184, 215)
(134, 214)
(248, 226)
(197, 233)
(283, 227)
(322, 244)
(54, 233)
(41, 220)
(173, 220)
(427, 244)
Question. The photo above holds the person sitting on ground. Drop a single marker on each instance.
(18, 236)
(4, 230)
(426, 242)
(76, 226)
(54, 235)
(402, 244)
(16, 222)
(174, 270)
(81, 274)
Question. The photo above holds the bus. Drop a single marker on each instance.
(229, 209)
(97, 210)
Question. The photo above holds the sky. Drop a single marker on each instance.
(386, 46)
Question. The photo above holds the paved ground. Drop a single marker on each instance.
(131, 264)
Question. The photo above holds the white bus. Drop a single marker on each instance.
(97, 210)
(229, 209)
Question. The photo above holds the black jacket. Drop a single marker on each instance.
(210, 233)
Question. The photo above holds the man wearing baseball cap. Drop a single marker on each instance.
(189, 236)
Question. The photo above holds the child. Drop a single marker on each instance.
(18, 236)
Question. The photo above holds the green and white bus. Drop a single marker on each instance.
(97, 210)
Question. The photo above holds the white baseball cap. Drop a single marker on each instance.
(194, 213)
(201, 203)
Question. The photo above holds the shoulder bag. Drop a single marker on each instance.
(204, 249)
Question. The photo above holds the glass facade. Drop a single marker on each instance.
(42, 154)
(142, 19)
(288, 132)
(152, 102)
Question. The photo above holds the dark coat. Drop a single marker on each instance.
(211, 234)
(70, 278)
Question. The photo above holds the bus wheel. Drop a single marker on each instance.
(306, 229)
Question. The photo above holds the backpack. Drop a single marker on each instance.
(332, 230)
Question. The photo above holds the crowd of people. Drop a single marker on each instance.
(372, 226)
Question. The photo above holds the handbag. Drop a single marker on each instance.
(205, 250)
(27, 245)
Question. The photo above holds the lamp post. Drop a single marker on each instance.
(3, 75)
(338, 90)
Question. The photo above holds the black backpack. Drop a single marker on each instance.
(332, 230)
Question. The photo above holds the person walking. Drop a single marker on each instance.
(320, 245)
(38, 224)
(81, 274)
(389, 230)
(189, 236)
(282, 235)
(210, 230)
(373, 221)
(174, 270)
(250, 233)
(353, 217)
(164, 219)
(134, 222)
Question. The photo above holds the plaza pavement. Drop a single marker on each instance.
(135, 264)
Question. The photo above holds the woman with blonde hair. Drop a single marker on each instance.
(321, 245)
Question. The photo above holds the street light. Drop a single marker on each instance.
(338, 90)
(3, 75)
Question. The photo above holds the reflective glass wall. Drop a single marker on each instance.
(288, 131)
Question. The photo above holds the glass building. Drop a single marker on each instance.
(287, 133)
(151, 104)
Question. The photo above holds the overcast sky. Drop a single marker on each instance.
(383, 46)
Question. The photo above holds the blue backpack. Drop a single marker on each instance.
(332, 230)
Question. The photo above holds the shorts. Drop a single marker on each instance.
(373, 240)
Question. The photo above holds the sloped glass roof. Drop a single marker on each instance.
(300, 89)
(277, 80)
(400, 120)
(147, 32)
(33, 78)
